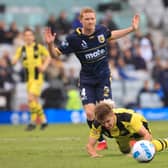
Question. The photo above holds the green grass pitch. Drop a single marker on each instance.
(63, 146)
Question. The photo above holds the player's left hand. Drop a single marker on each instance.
(96, 156)
(135, 22)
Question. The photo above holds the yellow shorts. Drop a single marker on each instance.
(34, 87)
(124, 143)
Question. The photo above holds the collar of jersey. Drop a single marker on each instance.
(31, 45)
(79, 32)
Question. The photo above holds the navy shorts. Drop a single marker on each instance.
(93, 92)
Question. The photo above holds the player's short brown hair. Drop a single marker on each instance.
(86, 10)
(102, 110)
(27, 29)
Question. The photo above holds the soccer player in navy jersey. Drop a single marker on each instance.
(89, 43)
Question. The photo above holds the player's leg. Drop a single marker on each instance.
(87, 94)
(35, 107)
(89, 109)
(36, 88)
(33, 112)
(124, 144)
(103, 91)
(160, 144)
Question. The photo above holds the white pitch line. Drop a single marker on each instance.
(41, 139)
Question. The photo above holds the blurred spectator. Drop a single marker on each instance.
(145, 89)
(146, 49)
(163, 80)
(138, 60)
(53, 70)
(52, 23)
(38, 34)
(122, 68)
(2, 32)
(114, 72)
(64, 25)
(128, 58)
(72, 80)
(6, 57)
(54, 96)
(76, 22)
(5, 73)
(163, 50)
(11, 33)
(158, 90)
(114, 51)
(108, 21)
(150, 38)
(136, 37)
(165, 2)
(157, 69)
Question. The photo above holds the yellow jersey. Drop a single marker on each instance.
(32, 57)
(128, 123)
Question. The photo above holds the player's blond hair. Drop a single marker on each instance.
(86, 10)
(102, 110)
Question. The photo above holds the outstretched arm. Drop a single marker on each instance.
(134, 26)
(49, 39)
(145, 134)
(16, 57)
(90, 147)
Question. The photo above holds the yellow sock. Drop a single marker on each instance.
(33, 111)
(160, 144)
(40, 113)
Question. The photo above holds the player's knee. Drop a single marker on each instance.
(125, 151)
(32, 98)
(90, 115)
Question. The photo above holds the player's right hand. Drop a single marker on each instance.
(49, 37)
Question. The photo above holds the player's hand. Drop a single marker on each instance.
(49, 37)
(135, 22)
(96, 155)
(41, 69)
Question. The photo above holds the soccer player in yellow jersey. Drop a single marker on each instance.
(35, 59)
(124, 125)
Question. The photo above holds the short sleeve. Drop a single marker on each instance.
(107, 32)
(95, 132)
(17, 54)
(136, 122)
(65, 46)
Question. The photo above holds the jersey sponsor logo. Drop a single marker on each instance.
(95, 54)
(101, 38)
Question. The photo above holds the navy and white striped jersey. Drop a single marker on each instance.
(91, 51)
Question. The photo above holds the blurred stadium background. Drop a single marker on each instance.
(139, 63)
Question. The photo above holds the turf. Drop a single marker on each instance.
(63, 146)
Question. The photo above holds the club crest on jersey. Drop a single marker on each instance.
(101, 38)
(65, 44)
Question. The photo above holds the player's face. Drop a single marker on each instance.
(109, 121)
(28, 37)
(88, 20)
